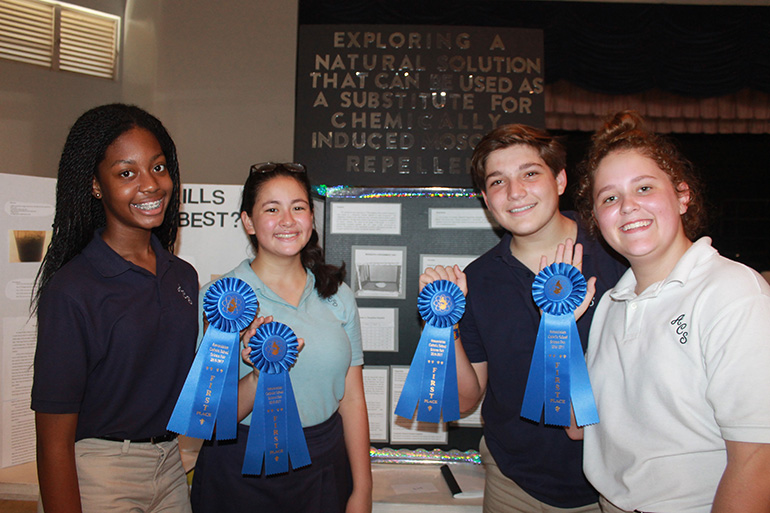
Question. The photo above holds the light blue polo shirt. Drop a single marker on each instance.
(332, 332)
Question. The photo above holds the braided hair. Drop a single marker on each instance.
(327, 277)
(78, 213)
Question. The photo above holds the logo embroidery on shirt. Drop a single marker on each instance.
(184, 294)
(681, 326)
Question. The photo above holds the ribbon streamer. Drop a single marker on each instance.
(431, 383)
(210, 392)
(558, 375)
(276, 432)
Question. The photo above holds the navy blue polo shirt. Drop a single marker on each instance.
(500, 327)
(115, 342)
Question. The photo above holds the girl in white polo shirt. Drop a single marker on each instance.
(679, 349)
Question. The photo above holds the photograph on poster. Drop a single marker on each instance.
(365, 218)
(27, 245)
(379, 329)
(376, 392)
(461, 219)
(379, 271)
(410, 431)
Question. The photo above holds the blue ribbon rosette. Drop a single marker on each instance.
(431, 384)
(276, 431)
(210, 392)
(558, 373)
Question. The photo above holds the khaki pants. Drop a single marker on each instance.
(502, 495)
(125, 477)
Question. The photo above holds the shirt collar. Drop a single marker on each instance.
(244, 268)
(109, 264)
(692, 258)
(503, 249)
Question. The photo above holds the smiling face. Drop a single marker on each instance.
(522, 192)
(638, 211)
(281, 219)
(133, 183)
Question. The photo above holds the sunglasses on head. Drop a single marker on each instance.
(267, 167)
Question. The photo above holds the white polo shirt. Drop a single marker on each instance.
(677, 370)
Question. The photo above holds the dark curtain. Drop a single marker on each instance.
(695, 51)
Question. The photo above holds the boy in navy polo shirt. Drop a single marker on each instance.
(530, 467)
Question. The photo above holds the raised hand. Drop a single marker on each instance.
(453, 274)
(571, 253)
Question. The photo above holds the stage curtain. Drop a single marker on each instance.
(569, 107)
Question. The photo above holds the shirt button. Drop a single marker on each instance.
(633, 306)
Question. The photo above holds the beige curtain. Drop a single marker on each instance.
(568, 107)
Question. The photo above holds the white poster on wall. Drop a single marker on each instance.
(26, 219)
(210, 235)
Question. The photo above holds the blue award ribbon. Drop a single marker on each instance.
(431, 383)
(276, 431)
(558, 372)
(210, 392)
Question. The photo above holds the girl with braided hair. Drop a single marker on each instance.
(116, 321)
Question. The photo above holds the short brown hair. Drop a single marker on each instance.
(550, 149)
(626, 131)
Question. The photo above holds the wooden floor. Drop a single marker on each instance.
(18, 506)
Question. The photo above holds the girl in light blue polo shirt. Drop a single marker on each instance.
(295, 287)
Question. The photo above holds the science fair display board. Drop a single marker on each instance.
(387, 237)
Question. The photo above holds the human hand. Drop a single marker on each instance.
(251, 330)
(359, 502)
(453, 274)
(572, 254)
(248, 333)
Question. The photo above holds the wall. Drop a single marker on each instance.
(225, 84)
(37, 107)
(219, 75)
